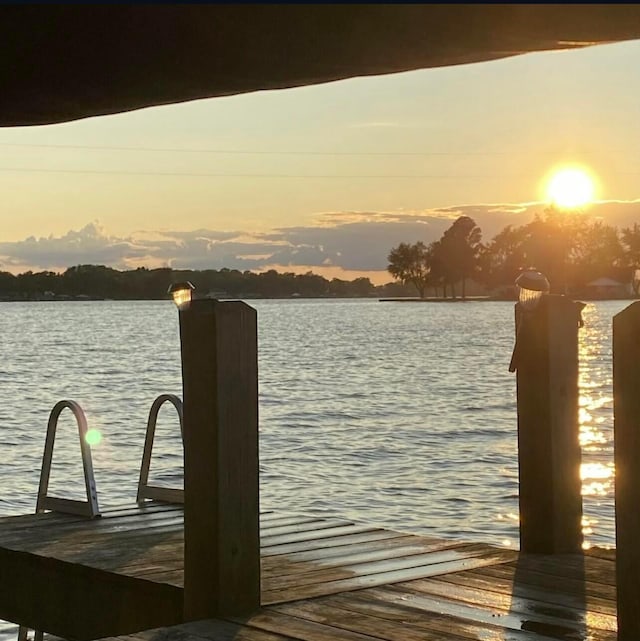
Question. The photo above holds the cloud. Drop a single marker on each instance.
(88, 245)
(354, 241)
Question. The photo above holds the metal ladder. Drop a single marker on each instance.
(88, 508)
(155, 492)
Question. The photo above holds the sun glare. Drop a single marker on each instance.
(570, 187)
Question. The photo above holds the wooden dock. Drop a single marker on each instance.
(322, 579)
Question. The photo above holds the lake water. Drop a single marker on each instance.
(399, 415)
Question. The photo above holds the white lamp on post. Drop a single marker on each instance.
(532, 285)
(182, 293)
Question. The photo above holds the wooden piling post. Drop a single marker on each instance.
(549, 454)
(626, 409)
(221, 507)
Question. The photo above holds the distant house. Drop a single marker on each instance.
(607, 288)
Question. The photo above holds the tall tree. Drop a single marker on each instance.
(631, 242)
(501, 260)
(596, 252)
(459, 249)
(411, 264)
(549, 242)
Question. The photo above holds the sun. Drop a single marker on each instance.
(570, 187)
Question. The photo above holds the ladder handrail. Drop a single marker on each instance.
(70, 506)
(154, 492)
(44, 502)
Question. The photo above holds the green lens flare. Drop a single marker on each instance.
(93, 437)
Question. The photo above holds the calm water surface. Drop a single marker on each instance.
(400, 415)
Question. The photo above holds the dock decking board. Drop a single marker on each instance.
(322, 579)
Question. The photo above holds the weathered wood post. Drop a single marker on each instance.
(221, 485)
(626, 427)
(549, 454)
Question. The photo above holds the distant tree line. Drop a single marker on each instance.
(570, 249)
(98, 281)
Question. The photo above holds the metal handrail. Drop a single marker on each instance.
(70, 506)
(154, 492)
(45, 502)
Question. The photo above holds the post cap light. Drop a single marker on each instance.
(531, 286)
(181, 293)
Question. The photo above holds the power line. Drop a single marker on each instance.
(264, 152)
(117, 172)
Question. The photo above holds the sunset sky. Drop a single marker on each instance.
(327, 177)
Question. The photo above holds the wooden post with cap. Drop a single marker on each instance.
(221, 469)
(546, 363)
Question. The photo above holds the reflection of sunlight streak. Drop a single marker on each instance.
(584, 416)
(596, 489)
(586, 525)
(591, 436)
(587, 529)
(596, 479)
(595, 420)
(587, 383)
(595, 471)
(587, 402)
(509, 517)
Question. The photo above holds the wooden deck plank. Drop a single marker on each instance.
(286, 526)
(97, 551)
(595, 571)
(33, 535)
(585, 568)
(526, 606)
(354, 553)
(21, 520)
(403, 614)
(358, 582)
(323, 578)
(116, 520)
(332, 542)
(313, 573)
(299, 575)
(283, 519)
(298, 628)
(478, 580)
(209, 630)
(363, 616)
(134, 510)
(313, 579)
(312, 535)
(550, 582)
(97, 542)
(399, 598)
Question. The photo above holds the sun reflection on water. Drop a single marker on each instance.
(590, 437)
(597, 471)
(597, 479)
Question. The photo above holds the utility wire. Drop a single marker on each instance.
(265, 152)
(117, 172)
(108, 172)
